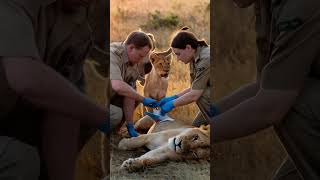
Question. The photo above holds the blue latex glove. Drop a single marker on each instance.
(150, 102)
(132, 131)
(167, 99)
(167, 107)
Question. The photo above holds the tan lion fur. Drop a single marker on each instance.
(156, 83)
(177, 142)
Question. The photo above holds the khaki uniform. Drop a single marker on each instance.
(288, 37)
(41, 30)
(122, 69)
(200, 80)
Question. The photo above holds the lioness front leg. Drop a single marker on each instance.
(133, 143)
(150, 158)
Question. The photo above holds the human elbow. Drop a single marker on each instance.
(277, 103)
(19, 78)
(195, 95)
(116, 85)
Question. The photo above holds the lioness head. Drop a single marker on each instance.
(191, 139)
(161, 61)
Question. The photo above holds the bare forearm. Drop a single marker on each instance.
(254, 114)
(124, 89)
(191, 96)
(237, 97)
(183, 92)
(128, 108)
(45, 88)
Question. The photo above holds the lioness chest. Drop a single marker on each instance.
(155, 87)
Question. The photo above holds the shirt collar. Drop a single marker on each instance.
(125, 53)
(197, 55)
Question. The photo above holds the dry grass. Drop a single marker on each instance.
(125, 18)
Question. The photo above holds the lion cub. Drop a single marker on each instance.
(156, 83)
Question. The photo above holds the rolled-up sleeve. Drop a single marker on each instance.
(115, 71)
(202, 76)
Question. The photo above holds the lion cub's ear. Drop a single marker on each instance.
(168, 51)
(153, 56)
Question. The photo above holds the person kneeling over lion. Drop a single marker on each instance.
(190, 50)
(127, 65)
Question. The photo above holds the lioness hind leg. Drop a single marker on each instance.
(133, 143)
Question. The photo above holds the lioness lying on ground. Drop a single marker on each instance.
(178, 143)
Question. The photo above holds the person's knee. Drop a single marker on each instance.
(116, 115)
(22, 160)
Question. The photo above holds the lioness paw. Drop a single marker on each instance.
(131, 165)
(123, 144)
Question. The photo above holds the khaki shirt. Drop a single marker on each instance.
(200, 77)
(41, 30)
(288, 43)
(121, 68)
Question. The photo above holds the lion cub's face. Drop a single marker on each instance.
(161, 62)
(191, 139)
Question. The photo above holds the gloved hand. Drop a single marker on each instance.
(150, 102)
(132, 131)
(167, 99)
(167, 107)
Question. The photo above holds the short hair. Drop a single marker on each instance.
(140, 39)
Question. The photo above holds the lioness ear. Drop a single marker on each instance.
(165, 53)
(205, 129)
